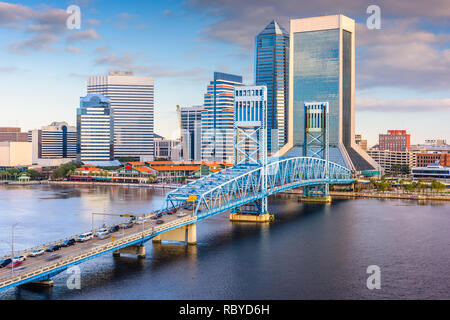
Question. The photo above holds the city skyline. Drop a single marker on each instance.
(51, 64)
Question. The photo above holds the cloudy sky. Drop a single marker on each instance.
(402, 70)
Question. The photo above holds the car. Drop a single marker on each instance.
(114, 229)
(37, 252)
(159, 221)
(53, 257)
(53, 248)
(14, 264)
(102, 234)
(174, 210)
(20, 258)
(68, 243)
(101, 231)
(127, 225)
(85, 237)
(141, 220)
(5, 262)
(181, 214)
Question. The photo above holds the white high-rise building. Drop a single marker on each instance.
(56, 141)
(132, 107)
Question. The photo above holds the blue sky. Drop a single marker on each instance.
(402, 70)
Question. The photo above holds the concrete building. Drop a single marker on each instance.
(271, 70)
(191, 132)
(387, 158)
(8, 134)
(362, 143)
(132, 109)
(167, 148)
(15, 154)
(322, 69)
(395, 140)
(94, 129)
(217, 118)
(56, 141)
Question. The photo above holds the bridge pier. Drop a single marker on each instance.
(43, 283)
(186, 234)
(138, 250)
(247, 217)
(316, 194)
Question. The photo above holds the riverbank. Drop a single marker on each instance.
(389, 195)
(379, 195)
(82, 183)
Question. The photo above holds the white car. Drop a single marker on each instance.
(85, 237)
(102, 234)
(141, 220)
(101, 231)
(37, 252)
(20, 259)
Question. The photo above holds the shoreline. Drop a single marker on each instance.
(141, 185)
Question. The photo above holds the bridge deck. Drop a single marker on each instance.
(37, 268)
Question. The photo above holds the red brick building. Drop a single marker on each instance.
(424, 159)
(395, 140)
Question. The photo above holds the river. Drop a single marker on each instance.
(311, 251)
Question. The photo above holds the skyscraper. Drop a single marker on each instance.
(271, 69)
(217, 118)
(56, 141)
(322, 68)
(94, 129)
(191, 132)
(132, 107)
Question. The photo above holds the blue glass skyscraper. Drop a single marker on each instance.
(218, 118)
(271, 69)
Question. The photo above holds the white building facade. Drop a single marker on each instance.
(132, 108)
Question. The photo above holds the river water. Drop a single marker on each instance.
(311, 251)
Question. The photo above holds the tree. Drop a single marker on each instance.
(33, 174)
(438, 186)
(63, 170)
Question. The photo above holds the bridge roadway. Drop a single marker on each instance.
(40, 268)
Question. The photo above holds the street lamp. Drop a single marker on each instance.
(12, 247)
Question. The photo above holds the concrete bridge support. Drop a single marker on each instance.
(186, 234)
(138, 250)
(316, 194)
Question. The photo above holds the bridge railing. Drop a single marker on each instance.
(70, 260)
(26, 252)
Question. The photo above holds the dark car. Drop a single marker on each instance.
(68, 243)
(53, 248)
(114, 229)
(5, 262)
(160, 222)
(173, 211)
(53, 257)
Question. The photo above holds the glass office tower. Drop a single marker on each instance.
(271, 70)
(218, 118)
(95, 130)
(322, 68)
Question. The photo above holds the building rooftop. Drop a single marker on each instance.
(273, 28)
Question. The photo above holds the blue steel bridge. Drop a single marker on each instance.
(242, 189)
(223, 191)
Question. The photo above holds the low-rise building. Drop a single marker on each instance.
(387, 159)
(15, 154)
(432, 171)
(424, 159)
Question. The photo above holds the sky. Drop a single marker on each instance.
(402, 69)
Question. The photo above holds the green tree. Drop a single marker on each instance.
(33, 174)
